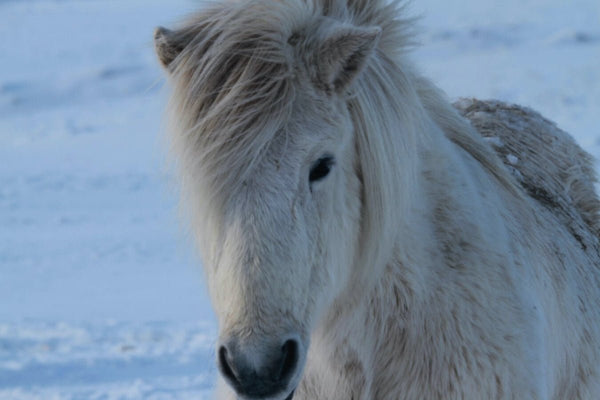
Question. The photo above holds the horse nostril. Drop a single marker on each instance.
(225, 366)
(290, 356)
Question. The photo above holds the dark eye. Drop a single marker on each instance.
(320, 169)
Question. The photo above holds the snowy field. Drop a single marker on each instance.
(101, 296)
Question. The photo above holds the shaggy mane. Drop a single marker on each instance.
(234, 80)
(233, 90)
(235, 86)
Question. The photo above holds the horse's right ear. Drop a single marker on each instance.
(168, 44)
(343, 54)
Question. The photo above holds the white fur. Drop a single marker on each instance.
(422, 267)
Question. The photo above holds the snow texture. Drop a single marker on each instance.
(101, 294)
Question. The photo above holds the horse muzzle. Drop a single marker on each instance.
(265, 372)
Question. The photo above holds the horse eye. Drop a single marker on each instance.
(320, 169)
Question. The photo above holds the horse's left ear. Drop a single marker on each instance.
(168, 44)
(343, 54)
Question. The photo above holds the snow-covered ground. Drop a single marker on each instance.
(101, 296)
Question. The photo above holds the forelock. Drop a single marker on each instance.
(234, 83)
(233, 87)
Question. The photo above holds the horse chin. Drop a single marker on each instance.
(289, 397)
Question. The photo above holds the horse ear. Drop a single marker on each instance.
(168, 44)
(343, 54)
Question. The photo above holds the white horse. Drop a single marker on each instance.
(361, 238)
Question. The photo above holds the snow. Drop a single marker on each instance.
(101, 293)
(106, 361)
(512, 159)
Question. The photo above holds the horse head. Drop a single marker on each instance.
(267, 154)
